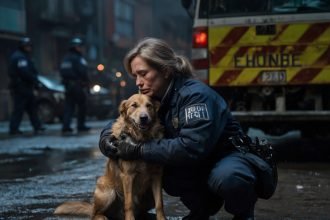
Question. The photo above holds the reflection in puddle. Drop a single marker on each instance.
(41, 162)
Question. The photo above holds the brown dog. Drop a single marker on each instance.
(127, 187)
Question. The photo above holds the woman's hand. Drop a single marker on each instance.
(114, 148)
(128, 151)
(108, 146)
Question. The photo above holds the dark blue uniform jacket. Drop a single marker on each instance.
(22, 73)
(73, 69)
(197, 124)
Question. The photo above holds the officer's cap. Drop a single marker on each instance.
(76, 41)
(25, 41)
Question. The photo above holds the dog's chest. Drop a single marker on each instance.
(137, 168)
(142, 171)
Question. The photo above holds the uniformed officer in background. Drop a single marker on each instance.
(23, 81)
(73, 70)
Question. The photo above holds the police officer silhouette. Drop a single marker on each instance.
(23, 81)
(73, 70)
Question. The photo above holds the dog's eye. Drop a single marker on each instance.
(134, 105)
(149, 105)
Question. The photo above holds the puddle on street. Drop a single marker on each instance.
(41, 162)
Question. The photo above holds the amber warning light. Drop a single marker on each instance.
(100, 67)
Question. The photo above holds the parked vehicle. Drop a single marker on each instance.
(269, 59)
(50, 100)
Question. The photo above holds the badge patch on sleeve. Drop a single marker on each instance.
(22, 63)
(83, 61)
(196, 112)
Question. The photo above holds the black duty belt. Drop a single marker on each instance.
(261, 148)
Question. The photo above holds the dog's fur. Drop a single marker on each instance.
(127, 187)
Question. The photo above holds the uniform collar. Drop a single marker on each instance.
(24, 52)
(76, 52)
(167, 92)
(171, 93)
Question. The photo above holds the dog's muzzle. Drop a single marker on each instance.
(144, 122)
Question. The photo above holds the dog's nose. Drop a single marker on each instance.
(144, 118)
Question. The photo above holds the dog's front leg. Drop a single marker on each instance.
(158, 196)
(127, 180)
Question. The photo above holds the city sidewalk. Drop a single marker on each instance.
(51, 129)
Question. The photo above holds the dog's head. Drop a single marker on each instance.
(139, 110)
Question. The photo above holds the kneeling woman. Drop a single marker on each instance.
(202, 166)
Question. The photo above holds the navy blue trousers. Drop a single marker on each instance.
(234, 179)
(23, 101)
(235, 182)
(72, 100)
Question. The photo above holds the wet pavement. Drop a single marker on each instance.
(39, 172)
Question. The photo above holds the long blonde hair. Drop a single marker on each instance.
(160, 56)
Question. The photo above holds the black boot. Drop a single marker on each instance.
(84, 129)
(67, 131)
(39, 130)
(196, 216)
(243, 217)
(15, 132)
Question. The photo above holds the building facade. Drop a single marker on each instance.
(109, 28)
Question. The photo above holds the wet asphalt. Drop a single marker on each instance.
(38, 172)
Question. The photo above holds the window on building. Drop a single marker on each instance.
(227, 8)
(68, 9)
(52, 9)
(123, 18)
(12, 16)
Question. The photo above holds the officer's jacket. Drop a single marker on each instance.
(197, 126)
(197, 123)
(22, 72)
(73, 68)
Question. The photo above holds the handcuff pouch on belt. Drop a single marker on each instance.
(261, 148)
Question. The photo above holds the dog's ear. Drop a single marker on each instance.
(156, 105)
(123, 108)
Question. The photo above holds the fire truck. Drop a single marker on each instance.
(269, 59)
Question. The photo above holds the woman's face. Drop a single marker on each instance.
(149, 81)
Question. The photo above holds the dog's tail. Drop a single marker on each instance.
(75, 208)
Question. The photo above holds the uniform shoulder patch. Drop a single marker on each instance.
(22, 63)
(196, 112)
(83, 61)
(66, 65)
